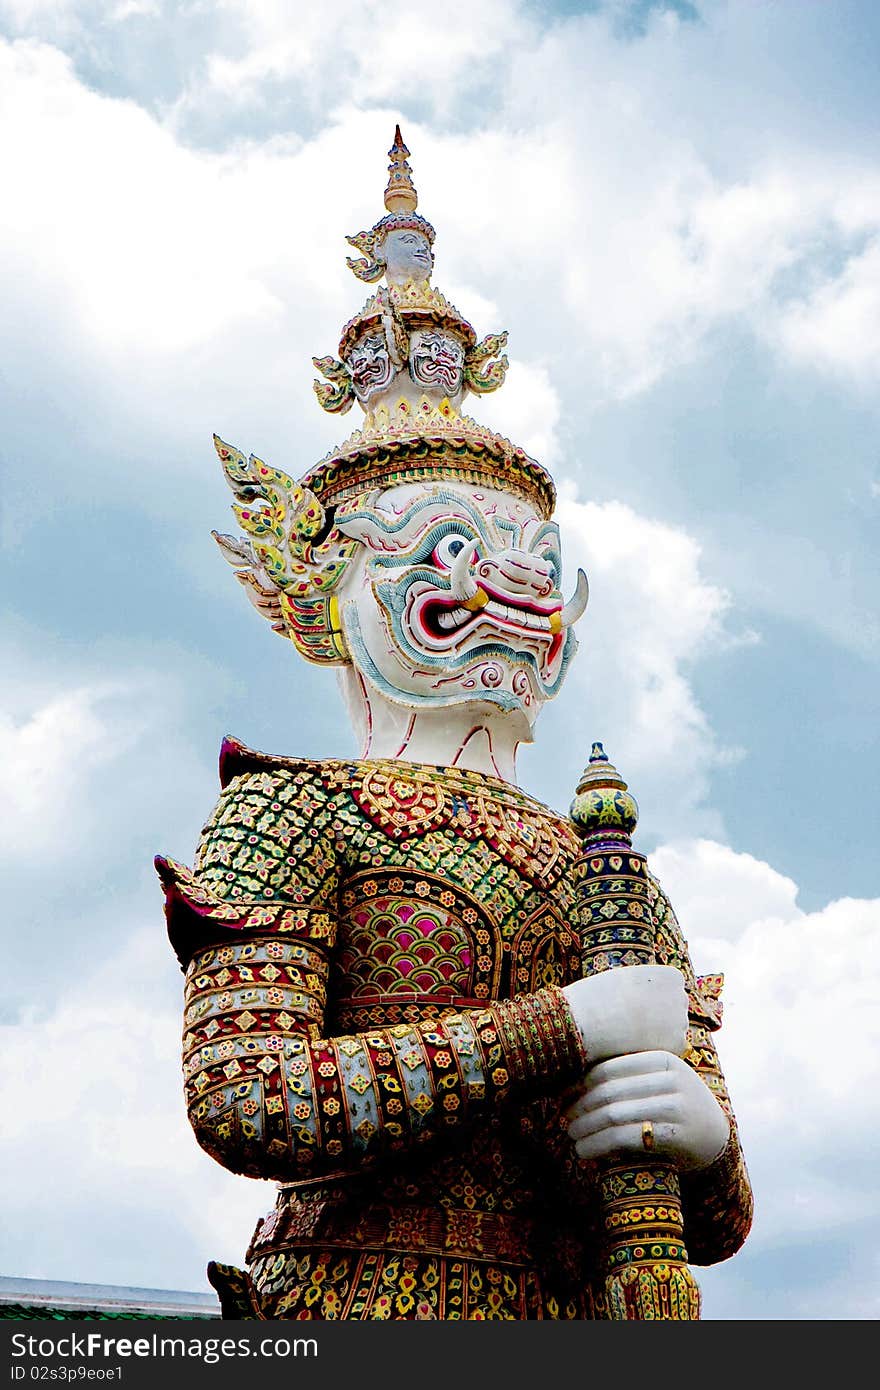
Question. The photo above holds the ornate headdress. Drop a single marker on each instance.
(294, 556)
(401, 201)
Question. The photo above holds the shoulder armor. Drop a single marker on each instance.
(236, 758)
(197, 918)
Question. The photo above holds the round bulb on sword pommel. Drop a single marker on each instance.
(602, 800)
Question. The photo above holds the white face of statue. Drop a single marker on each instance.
(455, 599)
(370, 366)
(436, 362)
(407, 255)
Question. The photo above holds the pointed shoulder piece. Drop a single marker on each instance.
(236, 758)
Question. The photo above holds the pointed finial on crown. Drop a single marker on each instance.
(400, 195)
(401, 201)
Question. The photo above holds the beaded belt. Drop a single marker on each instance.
(410, 1229)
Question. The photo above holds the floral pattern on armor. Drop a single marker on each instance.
(270, 1097)
(373, 955)
(332, 1284)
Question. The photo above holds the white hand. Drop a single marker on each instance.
(620, 1095)
(636, 1008)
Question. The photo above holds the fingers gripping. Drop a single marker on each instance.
(622, 1096)
(619, 1095)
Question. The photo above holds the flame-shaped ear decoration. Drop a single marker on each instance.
(336, 394)
(481, 374)
(368, 269)
(288, 565)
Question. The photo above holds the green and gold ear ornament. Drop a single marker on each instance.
(367, 268)
(336, 394)
(481, 373)
(289, 559)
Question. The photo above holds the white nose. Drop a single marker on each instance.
(517, 573)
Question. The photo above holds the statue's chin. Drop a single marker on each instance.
(433, 711)
(458, 706)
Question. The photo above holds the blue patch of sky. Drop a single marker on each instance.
(158, 590)
(630, 20)
(735, 432)
(804, 796)
(787, 1280)
(771, 468)
(145, 58)
(824, 259)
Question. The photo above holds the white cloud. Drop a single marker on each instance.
(22, 14)
(108, 1184)
(652, 613)
(137, 1203)
(380, 52)
(799, 1047)
(47, 760)
(134, 9)
(836, 327)
(132, 233)
(804, 992)
(98, 772)
(527, 410)
(89, 743)
(719, 892)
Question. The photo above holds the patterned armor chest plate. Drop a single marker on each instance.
(455, 891)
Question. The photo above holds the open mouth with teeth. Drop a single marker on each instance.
(444, 621)
(448, 626)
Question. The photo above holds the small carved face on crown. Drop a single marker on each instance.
(455, 599)
(407, 255)
(436, 362)
(370, 366)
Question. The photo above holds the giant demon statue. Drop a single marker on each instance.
(404, 994)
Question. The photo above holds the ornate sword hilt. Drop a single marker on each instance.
(644, 1271)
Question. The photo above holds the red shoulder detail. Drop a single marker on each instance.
(197, 918)
(236, 758)
(194, 916)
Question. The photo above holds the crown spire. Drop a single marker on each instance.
(401, 201)
(400, 195)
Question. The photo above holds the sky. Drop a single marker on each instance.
(675, 211)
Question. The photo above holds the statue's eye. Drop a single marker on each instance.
(447, 549)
